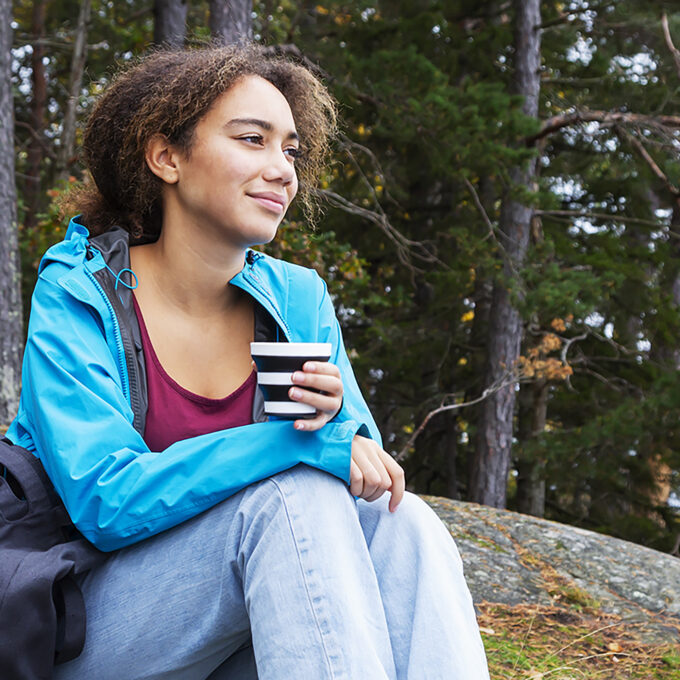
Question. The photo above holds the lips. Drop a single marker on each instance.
(270, 201)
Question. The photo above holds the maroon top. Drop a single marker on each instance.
(175, 413)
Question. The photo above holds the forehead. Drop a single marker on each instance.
(253, 97)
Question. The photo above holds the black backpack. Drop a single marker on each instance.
(42, 613)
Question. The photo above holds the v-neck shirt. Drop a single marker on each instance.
(174, 413)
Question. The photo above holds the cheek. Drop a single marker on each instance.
(293, 187)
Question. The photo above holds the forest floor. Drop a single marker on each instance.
(557, 602)
(536, 642)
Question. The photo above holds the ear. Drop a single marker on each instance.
(161, 158)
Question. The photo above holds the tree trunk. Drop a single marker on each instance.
(483, 291)
(451, 452)
(662, 351)
(531, 472)
(231, 20)
(68, 135)
(11, 331)
(35, 153)
(491, 464)
(170, 22)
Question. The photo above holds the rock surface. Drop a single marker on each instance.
(512, 558)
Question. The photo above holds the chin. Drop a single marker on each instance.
(262, 237)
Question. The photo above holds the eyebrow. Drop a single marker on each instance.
(263, 124)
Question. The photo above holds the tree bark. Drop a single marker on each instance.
(531, 472)
(231, 20)
(170, 22)
(36, 149)
(491, 463)
(451, 452)
(483, 291)
(666, 351)
(11, 327)
(68, 135)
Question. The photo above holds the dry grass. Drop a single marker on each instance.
(526, 642)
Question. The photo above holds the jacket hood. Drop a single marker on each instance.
(72, 250)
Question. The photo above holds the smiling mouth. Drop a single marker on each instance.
(273, 205)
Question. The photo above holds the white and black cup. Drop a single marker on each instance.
(276, 362)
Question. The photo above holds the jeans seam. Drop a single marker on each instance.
(304, 579)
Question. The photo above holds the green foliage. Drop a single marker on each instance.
(431, 132)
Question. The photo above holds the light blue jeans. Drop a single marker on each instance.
(290, 578)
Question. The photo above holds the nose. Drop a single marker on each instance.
(279, 168)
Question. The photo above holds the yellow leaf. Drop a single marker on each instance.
(468, 316)
(462, 361)
(550, 342)
(558, 325)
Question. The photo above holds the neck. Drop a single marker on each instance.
(189, 270)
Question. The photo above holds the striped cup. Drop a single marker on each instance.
(276, 362)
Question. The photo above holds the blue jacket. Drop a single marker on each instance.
(82, 406)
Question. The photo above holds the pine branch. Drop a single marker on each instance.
(556, 123)
(598, 216)
(639, 147)
(492, 230)
(507, 380)
(406, 248)
(564, 17)
(669, 42)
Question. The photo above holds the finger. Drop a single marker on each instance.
(398, 486)
(321, 402)
(356, 479)
(330, 384)
(375, 496)
(374, 454)
(376, 479)
(324, 367)
(371, 477)
(312, 424)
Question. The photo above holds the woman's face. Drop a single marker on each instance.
(238, 178)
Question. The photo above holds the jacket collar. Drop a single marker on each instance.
(111, 250)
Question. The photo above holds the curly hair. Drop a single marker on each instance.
(168, 92)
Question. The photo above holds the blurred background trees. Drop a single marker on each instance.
(502, 225)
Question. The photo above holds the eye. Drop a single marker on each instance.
(253, 139)
(293, 152)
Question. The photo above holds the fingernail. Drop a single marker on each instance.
(298, 376)
(295, 393)
(310, 366)
(299, 426)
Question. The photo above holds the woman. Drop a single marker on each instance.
(237, 548)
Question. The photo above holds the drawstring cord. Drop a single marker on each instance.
(120, 280)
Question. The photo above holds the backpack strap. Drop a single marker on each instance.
(30, 474)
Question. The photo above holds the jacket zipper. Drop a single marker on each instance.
(249, 277)
(253, 281)
(122, 365)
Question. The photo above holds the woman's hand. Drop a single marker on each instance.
(319, 375)
(373, 471)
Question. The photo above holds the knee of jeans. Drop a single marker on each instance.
(315, 485)
(317, 490)
(418, 520)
